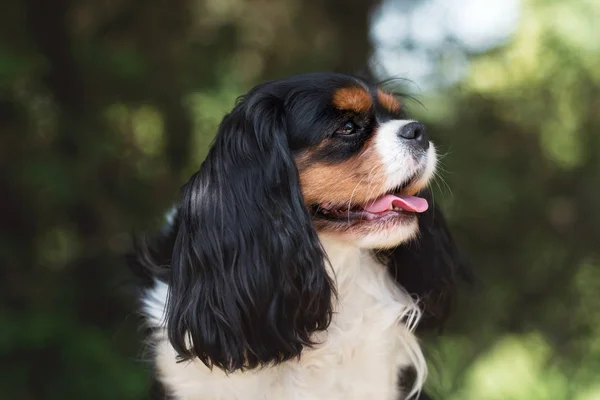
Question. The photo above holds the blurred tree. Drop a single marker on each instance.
(524, 172)
(105, 109)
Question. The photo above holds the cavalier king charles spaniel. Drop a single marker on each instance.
(303, 253)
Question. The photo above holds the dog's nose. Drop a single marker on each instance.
(415, 131)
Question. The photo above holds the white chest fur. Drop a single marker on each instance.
(359, 357)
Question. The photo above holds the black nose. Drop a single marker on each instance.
(415, 131)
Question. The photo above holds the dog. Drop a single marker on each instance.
(303, 253)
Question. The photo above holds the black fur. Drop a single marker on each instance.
(248, 283)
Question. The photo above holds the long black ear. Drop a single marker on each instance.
(249, 283)
(430, 266)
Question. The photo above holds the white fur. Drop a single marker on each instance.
(401, 165)
(154, 302)
(170, 216)
(360, 355)
(383, 238)
(395, 154)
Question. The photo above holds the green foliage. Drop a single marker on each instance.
(524, 166)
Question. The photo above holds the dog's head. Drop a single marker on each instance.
(316, 154)
(363, 165)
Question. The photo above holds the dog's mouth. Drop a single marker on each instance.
(393, 204)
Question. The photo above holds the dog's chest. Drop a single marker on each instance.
(359, 357)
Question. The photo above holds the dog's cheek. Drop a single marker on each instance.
(358, 179)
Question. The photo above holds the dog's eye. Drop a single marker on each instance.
(348, 128)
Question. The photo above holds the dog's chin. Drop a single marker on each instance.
(385, 232)
(387, 238)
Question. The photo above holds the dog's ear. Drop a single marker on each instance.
(429, 266)
(249, 283)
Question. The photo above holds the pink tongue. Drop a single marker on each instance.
(407, 203)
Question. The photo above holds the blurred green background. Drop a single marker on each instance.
(106, 107)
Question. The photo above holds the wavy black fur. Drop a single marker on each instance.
(248, 284)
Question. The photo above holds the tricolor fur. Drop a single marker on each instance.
(303, 253)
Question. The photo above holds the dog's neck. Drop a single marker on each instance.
(340, 252)
(344, 260)
(366, 292)
(355, 269)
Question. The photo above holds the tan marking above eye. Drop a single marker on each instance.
(356, 99)
(388, 101)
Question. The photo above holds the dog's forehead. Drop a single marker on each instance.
(388, 101)
(360, 99)
(356, 99)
